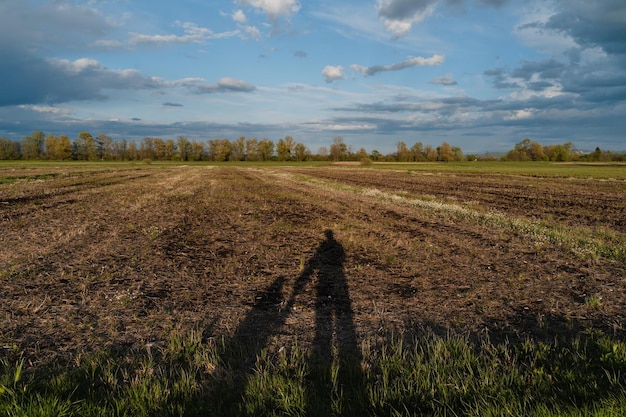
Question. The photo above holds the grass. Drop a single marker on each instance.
(425, 375)
(535, 169)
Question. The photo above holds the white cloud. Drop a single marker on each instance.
(253, 32)
(445, 80)
(399, 16)
(192, 34)
(350, 127)
(226, 85)
(274, 8)
(80, 65)
(526, 93)
(45, 109)
(92, 76)
(333, 73)
(246, 32)
(417, 61)
(184, 82)
(520, 115)
(239, 16)
(109, 43)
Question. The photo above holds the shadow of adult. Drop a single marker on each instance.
(336, 355)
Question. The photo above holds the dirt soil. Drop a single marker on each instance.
(122, 258)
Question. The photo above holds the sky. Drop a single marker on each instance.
(478, 74)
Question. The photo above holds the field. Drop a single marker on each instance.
(312, 290)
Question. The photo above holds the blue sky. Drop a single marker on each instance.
(479, 74)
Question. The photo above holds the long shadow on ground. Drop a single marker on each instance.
(335, 358)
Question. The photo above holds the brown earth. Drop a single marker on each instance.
(121, 258)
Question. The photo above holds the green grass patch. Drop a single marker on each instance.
(15, 178)
(534, 169)
(426, 375)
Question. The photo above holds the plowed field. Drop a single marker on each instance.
(120, 258)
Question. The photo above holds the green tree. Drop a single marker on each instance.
(64, 148)
(402, 153)
(521, 152)
(51, 146)
(338, 150)
(58, 147)
(301, 152)
(33, 146)
(159, 149)
(458, 153)
(524, 148)
(104, 147)
(266, 149)
(284, 148)
(198, 151)
(536, 152)
(361, 154)
(513, 155)
(252, 149)
(559, 153)
(120, 149)
(219, 149)
(598, 155)
(527, 150)
(85, 147)
(9, 150)
(417, 151)
(133, 154)
(445, 152)
(238, 149)
(184, 148)
(146, 149)
(169, 149)
(430, 154)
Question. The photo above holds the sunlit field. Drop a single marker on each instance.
(170, 289)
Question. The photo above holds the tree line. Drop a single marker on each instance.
(528, 150)
(85, 147)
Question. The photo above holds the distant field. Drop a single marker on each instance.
(312, 289)
(541, 169)
(600, 170)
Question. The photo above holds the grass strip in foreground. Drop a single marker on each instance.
(425, 375)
